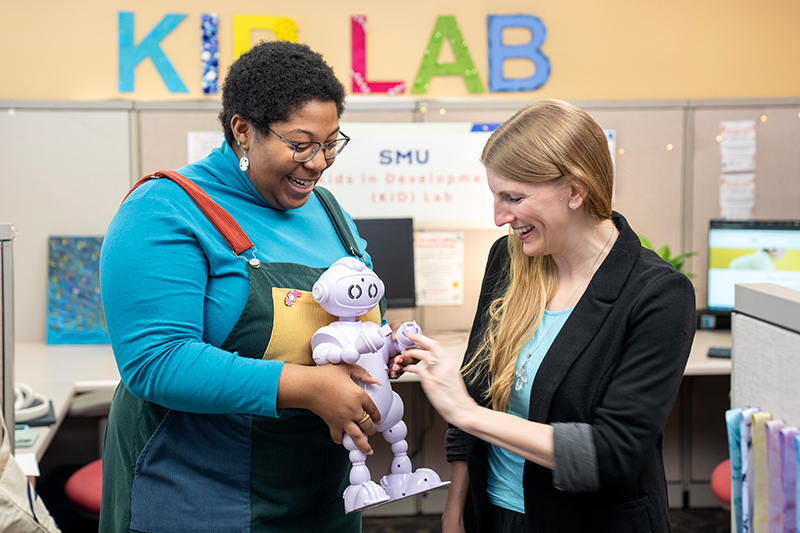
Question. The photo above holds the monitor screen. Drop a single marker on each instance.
(390, 244)
(751, 251)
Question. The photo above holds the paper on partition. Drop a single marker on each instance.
(737, 196)
(439, 267)
(200, 143)
(737, 146)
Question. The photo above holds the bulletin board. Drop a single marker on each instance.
(66, 166)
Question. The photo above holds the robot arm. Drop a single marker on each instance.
(371, 339)
(331, 345)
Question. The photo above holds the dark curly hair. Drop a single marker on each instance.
(273, 80)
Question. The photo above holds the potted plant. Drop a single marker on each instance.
(677, 261)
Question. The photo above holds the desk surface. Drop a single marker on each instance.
(61, 371)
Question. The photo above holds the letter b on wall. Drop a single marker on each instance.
(499, 52)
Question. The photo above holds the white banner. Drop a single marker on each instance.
(430, 172)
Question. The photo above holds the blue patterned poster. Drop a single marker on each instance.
(74, 307)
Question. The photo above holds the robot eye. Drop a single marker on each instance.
(372, 290)
(350, 292)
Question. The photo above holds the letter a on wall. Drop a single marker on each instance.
(447, 28)
(131, 55)
(499, 52)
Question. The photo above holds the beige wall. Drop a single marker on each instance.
(615, 49)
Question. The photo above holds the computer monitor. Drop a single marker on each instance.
(390, 244)
(751, 251)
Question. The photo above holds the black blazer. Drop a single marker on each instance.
(616, 365)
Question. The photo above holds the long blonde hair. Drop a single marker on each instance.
(545, 141)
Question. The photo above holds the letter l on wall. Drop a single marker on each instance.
(131, 55)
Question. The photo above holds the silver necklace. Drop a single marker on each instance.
(522, 375)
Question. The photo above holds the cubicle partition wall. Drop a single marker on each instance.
(667, 159)
(765, 326)
(7, 234)
(66, 166)
(765, 367)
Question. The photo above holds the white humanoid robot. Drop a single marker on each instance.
(347, 290)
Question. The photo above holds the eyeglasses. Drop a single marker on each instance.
(306, 151)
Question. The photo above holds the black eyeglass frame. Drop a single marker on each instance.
(314, 151)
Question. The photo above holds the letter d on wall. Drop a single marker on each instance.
(131, 55)
(499, 52)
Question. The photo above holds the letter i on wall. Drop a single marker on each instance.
(209, 55)
(358, 26)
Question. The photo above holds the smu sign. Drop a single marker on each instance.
(445, 29)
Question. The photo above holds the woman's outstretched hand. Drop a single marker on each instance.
(440, 379)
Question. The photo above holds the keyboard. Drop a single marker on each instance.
(719, 352)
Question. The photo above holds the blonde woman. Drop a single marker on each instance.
(576, 352)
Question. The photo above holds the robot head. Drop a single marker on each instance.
(348, 288)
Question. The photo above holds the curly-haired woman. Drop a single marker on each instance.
(222, 421)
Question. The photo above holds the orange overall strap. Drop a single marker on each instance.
(221, 219)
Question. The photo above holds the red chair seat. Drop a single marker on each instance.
(84, 487)
(721, 482)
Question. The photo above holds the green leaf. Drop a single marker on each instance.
(664, 252)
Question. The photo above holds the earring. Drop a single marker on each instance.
(574, 206)
(244, 163)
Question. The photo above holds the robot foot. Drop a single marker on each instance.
(363, 496)
(399, 486)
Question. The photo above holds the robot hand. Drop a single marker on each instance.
(328, 352)
(403, 342)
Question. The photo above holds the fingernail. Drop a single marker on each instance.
(379, 383)
(370, 452)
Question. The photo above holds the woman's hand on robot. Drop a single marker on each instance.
(343, 405)
(398, 363)
(440, 378)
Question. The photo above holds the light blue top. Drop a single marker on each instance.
(173, 289)
(506, 468)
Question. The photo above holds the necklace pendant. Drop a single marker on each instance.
(521, 380)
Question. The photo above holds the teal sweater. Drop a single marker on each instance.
(172, 288)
